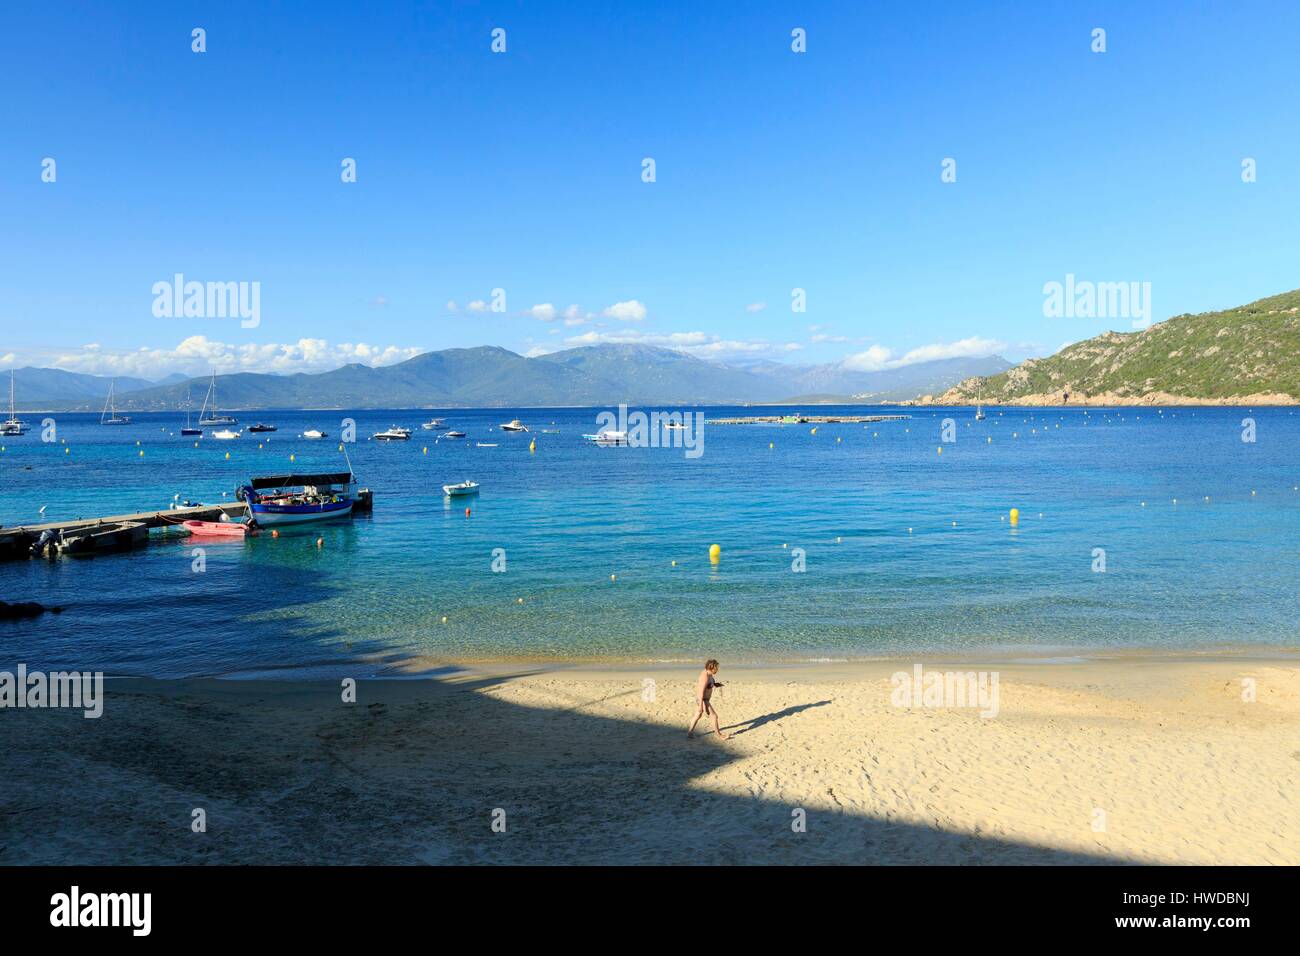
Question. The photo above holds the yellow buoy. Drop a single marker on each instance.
(67, 451)
(613, 577)
(291, 458)
(227, 456)
(340, 447)
(141, 452)
(260, 446)
(674, 564)
(519, 600)
(532, 445)
(1014, 516)
(444, 620)
(939, 450)
(771, 444)
(715, 553)
(320, 542)
(426, 449)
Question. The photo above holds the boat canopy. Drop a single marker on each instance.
(295, 480)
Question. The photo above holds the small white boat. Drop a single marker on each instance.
(454, 435)
(226, 434)
(608, 437)
(514, 425)
(464, 488)
(433, 423)
(394, 434)
(314, 433)
(485, 444)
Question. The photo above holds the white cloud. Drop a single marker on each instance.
(872, 360)
(9, 358)
(379, 301)
(965, 348)
(699, 344)
(452, 306)
(198, 354)
(546, 312)
(478, 305)
(629, 311)
(754, 307)
(878, 357)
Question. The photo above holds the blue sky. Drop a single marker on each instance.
(522, 171)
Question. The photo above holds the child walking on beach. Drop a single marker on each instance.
(703, 692)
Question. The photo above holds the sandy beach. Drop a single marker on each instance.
(1127, 759)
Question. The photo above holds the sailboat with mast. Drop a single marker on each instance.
(210, 400)
(14, 426)
(979, 400)
(189, 428)
(109, 415)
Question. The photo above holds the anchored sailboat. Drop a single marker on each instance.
(14, 426)
(212, 418)
(109, 415)
(979, 401)
(189, 428)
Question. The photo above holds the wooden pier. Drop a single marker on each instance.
(807, 419)
(16, 542)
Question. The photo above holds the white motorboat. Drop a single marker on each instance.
(608, 437)
(514, 425)
(454, 435)
(433, 423)
(464, 488)
(314, 433)
(225, 434)
(394, 434)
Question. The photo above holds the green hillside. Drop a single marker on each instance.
(1246, 352)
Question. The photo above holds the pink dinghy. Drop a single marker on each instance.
(218, 529)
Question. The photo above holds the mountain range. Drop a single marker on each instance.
(1247, 355)
(490, 376)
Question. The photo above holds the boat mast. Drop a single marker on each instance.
(107, 401)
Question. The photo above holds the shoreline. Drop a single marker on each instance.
(1129, 760)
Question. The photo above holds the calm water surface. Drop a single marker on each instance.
(906, 549)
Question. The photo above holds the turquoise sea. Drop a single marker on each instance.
(907, 549)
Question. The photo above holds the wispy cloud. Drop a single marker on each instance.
(699, 344)
(546, 312)
(198, 354)
(878, 357)
(755, 307)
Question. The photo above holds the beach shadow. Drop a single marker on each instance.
(418, 772)
(757, 722)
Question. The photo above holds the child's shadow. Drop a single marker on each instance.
(757, 722)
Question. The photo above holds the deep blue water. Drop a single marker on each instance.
(1193, 575)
